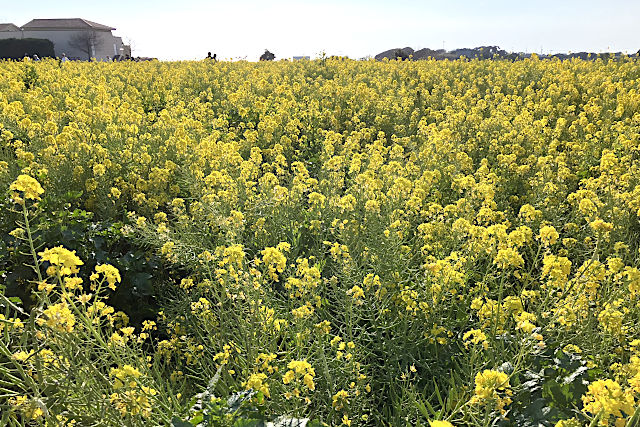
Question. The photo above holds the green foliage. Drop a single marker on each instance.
(18, 48)
(552, 385)
(96, 242)
(240, 409)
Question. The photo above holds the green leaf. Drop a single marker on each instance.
(177, 422)
(506, 367)
(238, 399)
(249, 423)
(571, 378)
(142, 284)
(196, 420)
(558, 393)
(288, 422)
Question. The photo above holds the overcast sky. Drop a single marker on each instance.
(187, 29)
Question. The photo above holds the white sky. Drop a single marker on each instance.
(187, 29)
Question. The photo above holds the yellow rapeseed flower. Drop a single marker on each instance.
(63, 261)
(492, 387)
(59, 318)
(28, 186)
(110, 274)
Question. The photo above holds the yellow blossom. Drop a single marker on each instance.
(492, 387)
(110, 274)
(59, 318)
(30, 187)
(63, 261)
(548, 235)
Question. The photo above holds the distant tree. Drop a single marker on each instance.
(86, 42)
(401, 54)
(267, 56)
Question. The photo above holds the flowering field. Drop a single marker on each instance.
(320, 242)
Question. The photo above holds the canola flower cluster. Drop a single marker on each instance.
(350, 239)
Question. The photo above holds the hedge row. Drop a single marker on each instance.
(18, 48)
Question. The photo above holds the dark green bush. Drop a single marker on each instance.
(17, 48)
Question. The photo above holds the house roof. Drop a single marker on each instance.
(64, 24)
(9, 27)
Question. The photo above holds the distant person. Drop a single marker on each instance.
(35, 57)
(215, 59)
(209, 56)
(64, 58)
(267, 56)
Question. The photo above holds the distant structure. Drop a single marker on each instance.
(301, 58)
(8, 28)
(78, 38)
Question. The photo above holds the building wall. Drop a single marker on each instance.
(108, 46)
(119, 47)
(10, 34)
(103, 49)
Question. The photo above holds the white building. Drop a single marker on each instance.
(77, 38)
(7, 28)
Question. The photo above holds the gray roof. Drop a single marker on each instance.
(64, 24)
(9, 27)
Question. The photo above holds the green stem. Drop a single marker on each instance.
(30, 238)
